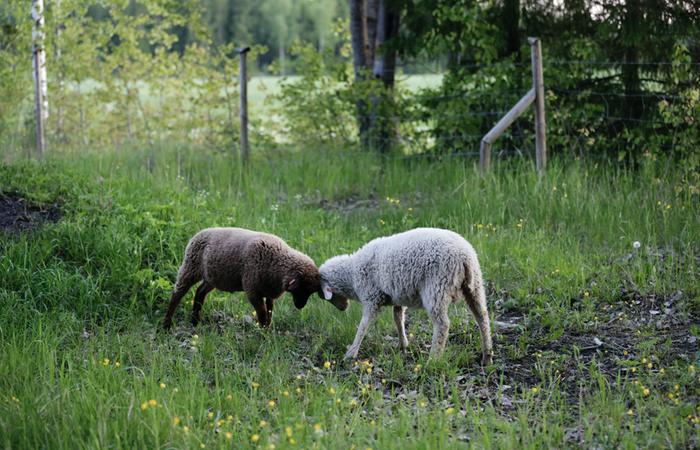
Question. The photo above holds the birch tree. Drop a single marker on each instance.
(39, 66)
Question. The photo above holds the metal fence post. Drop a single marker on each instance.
(245, 150)
(540, 123)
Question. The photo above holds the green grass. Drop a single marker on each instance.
(81, 355)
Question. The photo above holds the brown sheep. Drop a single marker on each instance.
(235, 259)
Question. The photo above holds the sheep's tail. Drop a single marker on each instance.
(475, 295)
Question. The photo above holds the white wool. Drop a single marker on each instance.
(420, 268)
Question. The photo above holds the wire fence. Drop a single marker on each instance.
(586, 114)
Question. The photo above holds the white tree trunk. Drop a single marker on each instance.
(39, 65)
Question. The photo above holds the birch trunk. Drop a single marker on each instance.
(39, 66)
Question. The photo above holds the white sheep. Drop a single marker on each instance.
(424, 267)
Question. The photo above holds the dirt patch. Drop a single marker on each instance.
(19, 214)
(350, 204)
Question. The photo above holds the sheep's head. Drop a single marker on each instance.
(302, 285)
(336, 286)
(337, 300)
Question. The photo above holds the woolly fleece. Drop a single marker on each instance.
(235, 259)
(420, 268)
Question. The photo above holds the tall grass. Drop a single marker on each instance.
(88, 292)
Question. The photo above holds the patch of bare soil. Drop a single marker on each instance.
(350, 204)
(18, 214)
(629, 328)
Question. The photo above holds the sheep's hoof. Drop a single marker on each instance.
(487, 360)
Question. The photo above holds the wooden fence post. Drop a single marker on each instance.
(540, 123)
(41, 102)
(245, 150)
(534, 95)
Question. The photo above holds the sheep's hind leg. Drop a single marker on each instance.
(369, 313)
(476, 300)
(181, 288)
(400, 319)
(199, 297)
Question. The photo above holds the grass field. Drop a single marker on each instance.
(602, 349)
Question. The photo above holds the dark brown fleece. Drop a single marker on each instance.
(235, 259)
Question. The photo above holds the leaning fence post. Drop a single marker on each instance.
(540, 124)
(245, 150)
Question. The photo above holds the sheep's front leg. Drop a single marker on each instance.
(400, 319)
(270, 303)
(260, 309)
(369, 313)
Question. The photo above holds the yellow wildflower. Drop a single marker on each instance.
(255, 385)
(534, 389)
(327, 364)
(263, 424)
(255, 438)
(449, 410)
(646, 392)
(229, 435)
(186, 429)
(153, 403)
(162, 385)
(317, 427)
(331, 390)
(210, 414)
(229, 397)
(285, 393)
(271, 404)
(117, 364)
(630, 412)
(105, 362)
(176, 421)
(288, 431)
(144, 406)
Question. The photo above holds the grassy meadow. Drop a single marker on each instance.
(600, 348)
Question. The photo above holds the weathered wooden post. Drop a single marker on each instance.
(245, 150)
(39, 65)
(538, 86)
(498, 129)
(534, 95)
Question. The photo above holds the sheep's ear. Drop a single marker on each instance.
(327, 293)
(292, 283)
